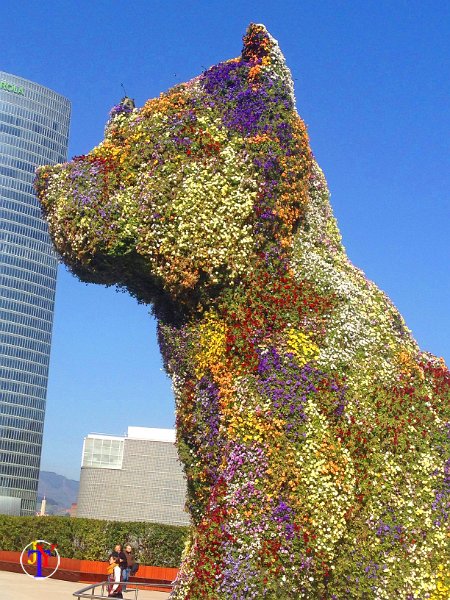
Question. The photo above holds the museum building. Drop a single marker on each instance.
(136, 477)
(34, 129)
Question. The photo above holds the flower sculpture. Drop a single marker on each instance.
(313, 431)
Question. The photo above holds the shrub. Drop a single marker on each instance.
(92, 539)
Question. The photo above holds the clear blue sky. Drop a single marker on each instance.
(372, 83)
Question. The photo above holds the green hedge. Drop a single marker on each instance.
(91, 539)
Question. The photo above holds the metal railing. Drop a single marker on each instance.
(133, 586)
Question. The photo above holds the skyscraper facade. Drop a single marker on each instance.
(34, 128)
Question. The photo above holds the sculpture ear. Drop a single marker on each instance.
(258, 44)
(260, 48)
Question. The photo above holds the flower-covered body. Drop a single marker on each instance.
(313, 432)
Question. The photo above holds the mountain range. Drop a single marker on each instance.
(59, 492)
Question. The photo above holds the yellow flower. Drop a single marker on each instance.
(301, 345)
(442, 590)
(212, 345)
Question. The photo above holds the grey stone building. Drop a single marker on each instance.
(133, 478)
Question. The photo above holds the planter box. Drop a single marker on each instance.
(90, 571)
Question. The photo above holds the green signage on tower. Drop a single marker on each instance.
(10, 87)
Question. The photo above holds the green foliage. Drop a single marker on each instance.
(91, 539)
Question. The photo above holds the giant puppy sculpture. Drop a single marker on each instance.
(313, 431)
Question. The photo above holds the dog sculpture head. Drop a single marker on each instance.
(184, 193)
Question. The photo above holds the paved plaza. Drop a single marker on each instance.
(18, 586)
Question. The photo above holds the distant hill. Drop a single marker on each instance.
(59, 492)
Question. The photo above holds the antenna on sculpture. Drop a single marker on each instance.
(126, 101)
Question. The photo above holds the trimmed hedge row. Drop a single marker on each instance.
(92, 539)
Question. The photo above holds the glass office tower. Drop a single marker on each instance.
(34, 126)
